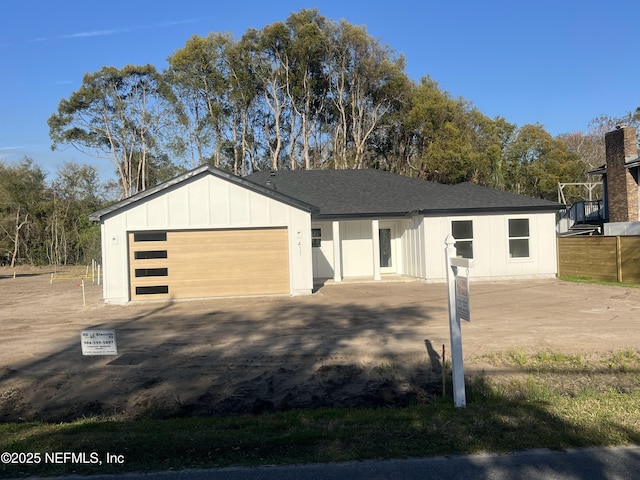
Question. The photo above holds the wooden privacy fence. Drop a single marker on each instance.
(613, 259)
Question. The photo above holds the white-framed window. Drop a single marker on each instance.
(316, 237)
(462, 231)
(519, 238)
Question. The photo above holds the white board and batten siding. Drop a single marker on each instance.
(356, 248)
(419, 247)
(204, 203)
(491, 254)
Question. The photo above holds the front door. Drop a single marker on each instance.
(387, 254)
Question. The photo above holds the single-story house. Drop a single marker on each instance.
(208, 233)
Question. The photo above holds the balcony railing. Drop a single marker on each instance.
(586, 212)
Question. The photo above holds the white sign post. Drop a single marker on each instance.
(458, 308)
(98, 342)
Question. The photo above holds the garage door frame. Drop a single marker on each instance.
(195, 263)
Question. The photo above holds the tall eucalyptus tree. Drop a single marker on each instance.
(366, 80)
(307, 81)
(117, 114)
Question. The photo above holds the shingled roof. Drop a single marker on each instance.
(375, 193)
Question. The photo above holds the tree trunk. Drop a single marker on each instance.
(16, 238)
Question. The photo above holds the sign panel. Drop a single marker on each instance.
(98, 342)
(462, 298)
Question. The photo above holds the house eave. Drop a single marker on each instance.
(632, 164)
(358, 216)
(491, 210)
(431, 212)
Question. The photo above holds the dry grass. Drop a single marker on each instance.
(553, 400)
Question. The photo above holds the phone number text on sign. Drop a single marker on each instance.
(98, 342)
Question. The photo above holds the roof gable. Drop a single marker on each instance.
(190, 176)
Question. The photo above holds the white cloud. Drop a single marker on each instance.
(171, 23)
(115, 31)
(94, 33)
(11, 153)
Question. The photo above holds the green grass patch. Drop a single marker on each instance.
(552, 400)
(599, 282)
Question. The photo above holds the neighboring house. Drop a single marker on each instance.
(208, 233)
(620, 177)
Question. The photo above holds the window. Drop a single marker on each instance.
(148, 254)
(518, 237)
(152, 272)
(316, 237)
(462, 231)
(386, 260)
(155, 290)
(150, 237)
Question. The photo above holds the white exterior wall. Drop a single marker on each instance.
(205, 202)
(491, 247)
(412, 243)
(419, 247)
(357, 248)
(622, 228)
(323, 255)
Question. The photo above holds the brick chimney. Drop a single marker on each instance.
(622, 188)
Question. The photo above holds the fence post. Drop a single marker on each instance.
(618, 259)
(558, 256)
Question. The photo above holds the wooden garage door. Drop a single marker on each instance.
(208, 263)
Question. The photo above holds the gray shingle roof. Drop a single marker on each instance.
(368, 193)
(357, 194)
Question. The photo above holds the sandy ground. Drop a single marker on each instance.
(346, 345)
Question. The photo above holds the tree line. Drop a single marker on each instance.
(304, 93)
(46, 222)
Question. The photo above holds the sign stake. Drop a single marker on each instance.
(444, 372)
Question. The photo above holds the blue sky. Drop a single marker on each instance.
(554, 62)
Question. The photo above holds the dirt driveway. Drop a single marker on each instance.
(346, 345)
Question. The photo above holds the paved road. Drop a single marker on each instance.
(616, 463)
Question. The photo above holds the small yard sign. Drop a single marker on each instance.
(462, 297)
(98, 342)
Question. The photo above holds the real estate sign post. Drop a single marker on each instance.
(458, 308)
